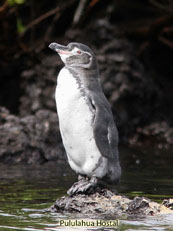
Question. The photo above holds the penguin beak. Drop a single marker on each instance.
(60, 49)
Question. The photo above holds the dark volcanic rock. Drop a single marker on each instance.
(102, 201)
(168, 203)
(130, 90)
(138, 205)
(107, 203)
(31, 139)
(38, 85)
(159, 134)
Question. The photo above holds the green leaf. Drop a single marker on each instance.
(19, 1)
(20, 26)
(11, 2)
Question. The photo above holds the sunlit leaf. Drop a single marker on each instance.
(19, 1)
(13, 2)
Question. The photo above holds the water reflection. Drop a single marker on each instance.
(26, 191)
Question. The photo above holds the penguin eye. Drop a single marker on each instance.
(79, 52)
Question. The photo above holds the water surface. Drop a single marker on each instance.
(26, 191)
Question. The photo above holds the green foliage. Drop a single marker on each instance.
(20, 26)
(13, 2)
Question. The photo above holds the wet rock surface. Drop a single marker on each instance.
(168, 203)
(108, 203)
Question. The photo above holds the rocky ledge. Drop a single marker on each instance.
(104, 202)
(30, 139)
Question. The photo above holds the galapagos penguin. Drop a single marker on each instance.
(87, 128)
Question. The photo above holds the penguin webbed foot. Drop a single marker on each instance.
(83, 186)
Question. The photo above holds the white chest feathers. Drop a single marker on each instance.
(76, 126)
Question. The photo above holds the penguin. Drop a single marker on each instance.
(87, 127)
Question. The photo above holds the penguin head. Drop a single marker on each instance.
(75, 55)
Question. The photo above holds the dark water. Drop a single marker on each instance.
(25, 191)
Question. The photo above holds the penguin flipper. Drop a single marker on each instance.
(105, 131)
